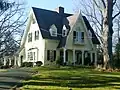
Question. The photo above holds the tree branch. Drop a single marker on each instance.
(116, 15)
(103, 3)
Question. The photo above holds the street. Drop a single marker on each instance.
(12, 77)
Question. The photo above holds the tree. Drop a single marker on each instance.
(102, 13)
(4, 5)
(12, 23)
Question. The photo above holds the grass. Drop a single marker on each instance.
(72, 78)
(3, 70)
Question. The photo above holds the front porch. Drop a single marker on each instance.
(78, 57)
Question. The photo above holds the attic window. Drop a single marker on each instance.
(33, 21)
(53, 30)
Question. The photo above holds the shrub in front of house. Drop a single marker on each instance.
(27, 64)
(59, 61)
(5, 66)
(39, 63)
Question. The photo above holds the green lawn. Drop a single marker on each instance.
(72, 78)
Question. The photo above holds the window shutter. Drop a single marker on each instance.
(82, 33)
(54, 55)
(74, 35)
(48, 55)
(35, 35)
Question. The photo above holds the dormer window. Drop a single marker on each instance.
(64, 31)
(53, 30)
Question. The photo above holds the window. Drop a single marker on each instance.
(33, 21)
(64, 31)
(30, 37)
(78, 37)
(30, 56)
(53, 30)
(36, 35)
(51, 55)
(34, 56)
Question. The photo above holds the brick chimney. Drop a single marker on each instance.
(60, 10)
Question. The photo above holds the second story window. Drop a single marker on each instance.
(36, 35)
(78, 37)
(30, 37)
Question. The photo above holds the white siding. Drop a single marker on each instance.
(40, 44)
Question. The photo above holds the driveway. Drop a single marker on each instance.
(12, 77)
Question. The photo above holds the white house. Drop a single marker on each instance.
(53, 34)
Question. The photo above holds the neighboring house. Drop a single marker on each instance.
(51, 35)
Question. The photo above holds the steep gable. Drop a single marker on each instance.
(80, 23)
(29, 21)
(94, 37)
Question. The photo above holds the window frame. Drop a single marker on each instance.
(51, 55)
(37, 35)
(30, 37)
(78, 36)
(53, 34)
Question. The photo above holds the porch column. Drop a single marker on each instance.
(91, 56)
(73, 57)
(82, 57)
(5, 61)
(10, 61)
(64, 53)
(15, 59)
(95, 58)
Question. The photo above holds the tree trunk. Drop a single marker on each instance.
(105, 37)
(110, 24)
(107, 34)
(105, 42)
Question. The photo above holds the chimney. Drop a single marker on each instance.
(60, 10)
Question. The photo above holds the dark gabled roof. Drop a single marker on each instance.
(94, 37)
(46, 18)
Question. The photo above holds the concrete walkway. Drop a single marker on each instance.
(12, 77)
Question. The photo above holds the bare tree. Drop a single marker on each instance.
(12, 22)
(102, 14)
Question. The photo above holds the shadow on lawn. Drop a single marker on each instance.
(91, 80)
